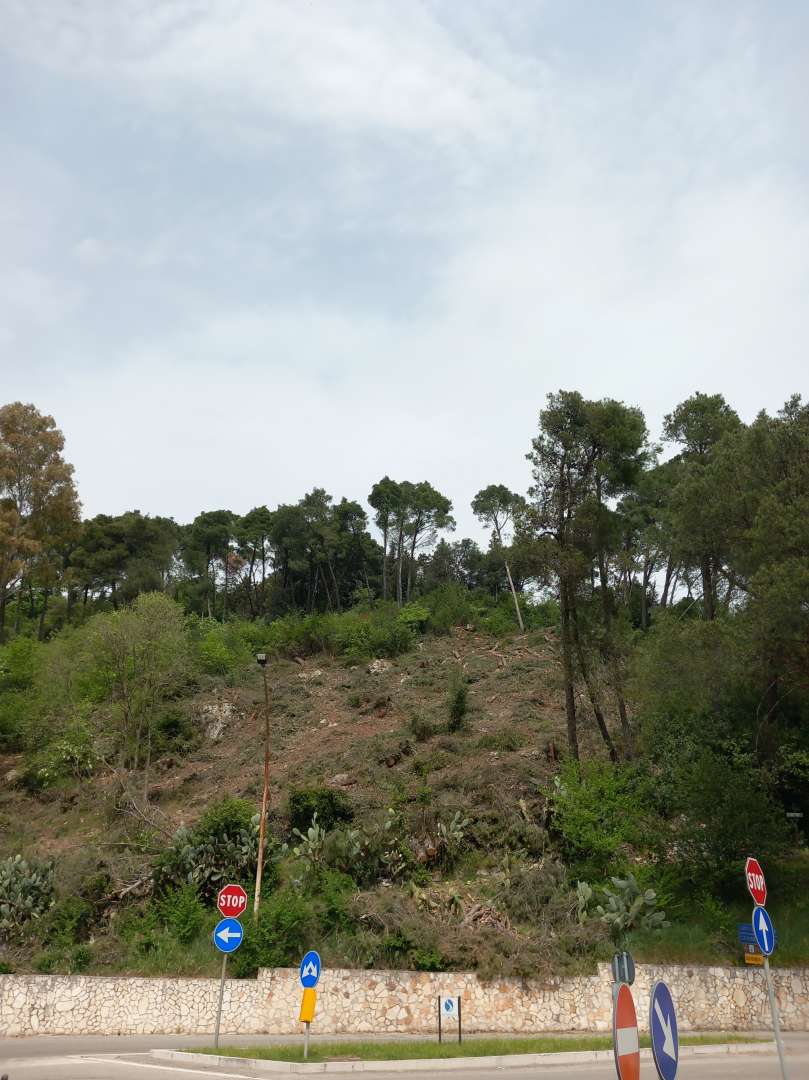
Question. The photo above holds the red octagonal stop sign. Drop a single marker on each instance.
(754, 876)
(232, 901)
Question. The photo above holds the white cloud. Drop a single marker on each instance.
(445, 213)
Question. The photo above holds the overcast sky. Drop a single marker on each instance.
(247, 248)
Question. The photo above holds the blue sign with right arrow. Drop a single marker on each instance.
(663, 1025)
(764, 930)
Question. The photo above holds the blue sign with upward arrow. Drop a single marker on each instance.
(764, 930)
(663, 1024)
(227, 936)
(310, 970)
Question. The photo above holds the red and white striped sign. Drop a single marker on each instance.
(625, 1034)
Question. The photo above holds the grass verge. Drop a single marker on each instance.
(476, 1047)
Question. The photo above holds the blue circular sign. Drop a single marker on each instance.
(663, 1025)
(228, 935)
(310, 970)
(764, 930)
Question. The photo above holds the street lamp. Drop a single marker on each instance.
(261, 660)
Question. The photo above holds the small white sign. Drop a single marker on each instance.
(449, 1008)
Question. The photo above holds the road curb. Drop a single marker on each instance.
(499, 1061)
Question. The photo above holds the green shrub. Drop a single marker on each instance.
(331, 807)
(428, 960)
(287, 926)
(221, 650)
(70, 757)
(182, 913)
(502, 741)
(19, 662)
(457, 702)
(16, 709)
(175, 731)
(68, 921)
(26, 893)
(222, 847)
(605, 814)
(415, 616)
(449, 605)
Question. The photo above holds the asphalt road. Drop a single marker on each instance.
(128, 1059)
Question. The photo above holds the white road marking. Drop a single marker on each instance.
(166, 1068)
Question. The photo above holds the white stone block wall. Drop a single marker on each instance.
(389, 1001)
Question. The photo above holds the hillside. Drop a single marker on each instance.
(457, 857)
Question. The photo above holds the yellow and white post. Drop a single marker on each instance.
(307, 1015)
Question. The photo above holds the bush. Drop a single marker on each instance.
(68, 921)
(26, 893)
(355, 635)
(182, 913)
(19, 663)
(449, 605)
(457, 702)
(71, 757)
(331, 807)
(286, 928)
(221, 649)
(604, 815)
(222, 847)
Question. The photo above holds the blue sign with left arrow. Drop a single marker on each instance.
(228, 935)
(663, 1024)
(764, 930)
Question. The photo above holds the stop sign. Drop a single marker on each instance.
(232, 901)
(756, 884)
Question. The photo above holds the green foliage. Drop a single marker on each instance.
(604, 815)
(449, 605)
(629, 907)
(355, 635)
(71, 757)
(502, 741)
(331, 807)
(222, 847)
(287, 926)
(181, 912)
(415, 616)
(68, 922)
(221, 648)
(26, 893)
(19, 663)
(457, 701)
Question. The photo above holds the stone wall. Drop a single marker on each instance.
(388, 1001)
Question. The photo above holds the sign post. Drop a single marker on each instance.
(449, 1008)
(764, 933)
(227, 937)
(310, 970)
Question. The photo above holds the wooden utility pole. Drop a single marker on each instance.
(262, 828)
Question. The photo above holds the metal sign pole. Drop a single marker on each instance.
(219, 1006)
(439, 1018)
(306, 1041)
(459, 1018)
(774, 1011)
